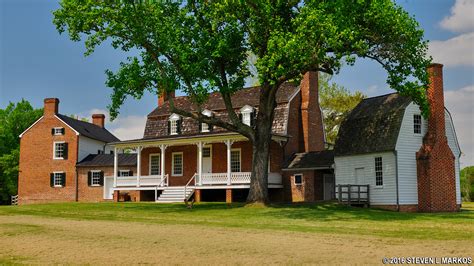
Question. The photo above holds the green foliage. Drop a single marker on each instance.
(467, 183)
(203, 46)
(336, 103)
(14, 119)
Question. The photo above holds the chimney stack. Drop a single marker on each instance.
(312, 120)
(51, 106)
(435, 160)
(98, 120)
(165, 96)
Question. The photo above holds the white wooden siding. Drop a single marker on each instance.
(345, 171)
(90, 146)
(408, 144)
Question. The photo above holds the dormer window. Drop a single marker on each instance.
(174, 124)
(247, 114)
(204, 126)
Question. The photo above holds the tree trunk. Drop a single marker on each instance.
(258, 192)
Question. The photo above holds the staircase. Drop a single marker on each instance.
(174, 194)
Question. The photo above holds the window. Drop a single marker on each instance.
(125, 173)
(96, 176)
(417, 124)
(174, 125)
(204, 126)
(206, 152)
(60, 150)
(58, 179)
(235, 161)
(298, 179)
(58, 131)
(155, 164)
(177, 164)
(378, 171)
(246, 113)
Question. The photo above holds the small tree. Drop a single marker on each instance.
(336, 103)
(202, 46)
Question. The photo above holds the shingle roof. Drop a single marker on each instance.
(108, 160)
(311, 160)
(157, 123)
(88, 129)
(372, 126)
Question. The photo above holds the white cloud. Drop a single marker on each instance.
(457, 51)
(123, 127)
(461, 18)
(459, 103)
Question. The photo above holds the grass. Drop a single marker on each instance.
(312, 223)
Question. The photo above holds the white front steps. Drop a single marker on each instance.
(173, 194)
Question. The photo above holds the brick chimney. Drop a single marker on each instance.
(435, 160)
(165, 96)
(312, 120)
(98, 120)
(51, 106)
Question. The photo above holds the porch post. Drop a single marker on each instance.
(163, 151)
(199, 162)
(115, 166)
(229, 146)
(139, 164)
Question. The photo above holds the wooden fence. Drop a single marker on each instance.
(353, 194)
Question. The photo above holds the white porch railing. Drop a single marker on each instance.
(235, 178)
(150, 180)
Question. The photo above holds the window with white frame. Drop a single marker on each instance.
(177, 167)
(417, 124)
(95, 177)
(58, 131)
(59, 150)
(124, 172)
(235, 163)
(246, 113)
(174, 124)
(378, 171)
(204, 126)
(155, 164)
(298, 179)
(58, 179)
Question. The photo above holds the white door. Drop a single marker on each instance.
(108, 187)
(329, 186)
(359, 176)
(207, 159)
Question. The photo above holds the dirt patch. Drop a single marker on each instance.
(65, 241)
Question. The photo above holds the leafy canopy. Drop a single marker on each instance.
(202, 46)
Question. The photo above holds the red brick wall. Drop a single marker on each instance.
(299, 193)
(435, 160)
(95, 193)
(36, 162)
(296, 141)
(313, 131)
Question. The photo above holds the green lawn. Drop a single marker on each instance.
(326, 218)
(272, 230)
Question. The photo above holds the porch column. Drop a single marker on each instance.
(115, 166)
(228, 143)
(199, 162)
(139, 164)
(163, 151)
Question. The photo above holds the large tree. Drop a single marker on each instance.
(200, 47)
(14, 119)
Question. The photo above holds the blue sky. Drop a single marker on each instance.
(36, 62)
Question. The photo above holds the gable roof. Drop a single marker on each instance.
(124, 159)
(372, 126)
(88, 129)
(310, 160)
(157, 121)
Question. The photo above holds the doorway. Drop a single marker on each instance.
(329, 187)
(207, 159)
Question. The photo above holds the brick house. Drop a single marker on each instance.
(50, 150)
(410, 164)
(177, 157)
